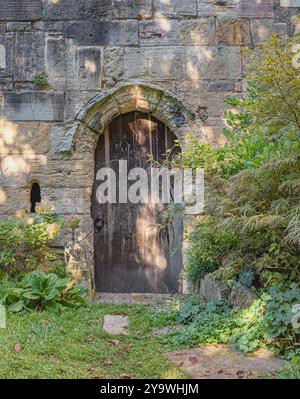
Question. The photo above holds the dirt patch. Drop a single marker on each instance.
(224, 362)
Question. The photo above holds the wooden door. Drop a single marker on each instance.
(133, 254)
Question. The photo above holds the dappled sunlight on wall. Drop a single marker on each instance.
(3, 196)
(23, 147)
(90, 66)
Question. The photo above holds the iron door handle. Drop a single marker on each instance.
(99, 223)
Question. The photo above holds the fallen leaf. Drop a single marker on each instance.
(193, 360)
(125, 376)
(220, 371)
(179, 364)
(128, 346)
(18, 347)
(108, 362)
(54, 359)
(62, 370)
(115, 342)
(92, 369)
(240, 372)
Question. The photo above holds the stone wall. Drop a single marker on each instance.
(55, 55)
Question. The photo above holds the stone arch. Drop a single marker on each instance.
(164, 105)
(92, 120)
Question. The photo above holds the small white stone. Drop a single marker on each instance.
(116, 325)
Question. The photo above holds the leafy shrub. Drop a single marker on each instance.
(38, 290)
(208, 248)
(267, 322)
(291, 370)
(252, 216)
(25, 240)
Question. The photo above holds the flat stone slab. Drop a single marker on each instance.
(137, 299)
(224, 362)
(116, 325)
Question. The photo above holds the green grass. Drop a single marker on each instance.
(72, 344)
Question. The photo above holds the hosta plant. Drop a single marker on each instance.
(38, 290)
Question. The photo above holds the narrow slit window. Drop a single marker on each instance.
(35, 196)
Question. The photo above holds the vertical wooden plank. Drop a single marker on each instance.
(107, 146)
(130, 255)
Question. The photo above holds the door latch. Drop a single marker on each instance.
(99, 223)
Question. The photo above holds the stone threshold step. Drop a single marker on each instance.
(137, 299)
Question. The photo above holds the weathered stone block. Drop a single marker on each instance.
(160, 32)
(79, 258)
(60, 140)
(214, 133)
(109, 110)
(22, 10)
(139, 9)
(69, 201)
(24, 138)
(70, 9)
(198, 32)
(175, 8)
(56, 61)
(13, 171)
(49, 26)
(290, 3)
(241, 296)
(2, 28)
(256, 9)
(261, 29)
(212, 31)
(18, 26)
(234, 32)
(34, 106)
(63, 173)
(8, 41)
(113, 65)
(83, 143)
(225, 8)
(30, 55)
(75, 100)
(5, 84)
(12, 200)
(2, 57)
(147, 100)
(91, 33)
(208, 100)
(155, 63)
(296, 24)
(88, 65)
(213, 62)
(213, 290)
(221, 86)
(173, 114)
(126, 99)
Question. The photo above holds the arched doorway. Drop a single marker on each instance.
(135, 250)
